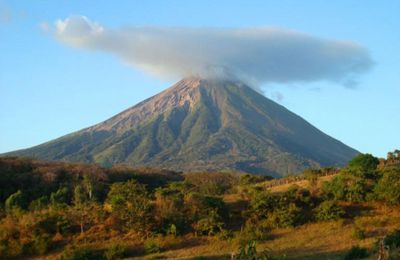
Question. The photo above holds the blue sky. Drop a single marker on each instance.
(48, 89)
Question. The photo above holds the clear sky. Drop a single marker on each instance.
(48, 89)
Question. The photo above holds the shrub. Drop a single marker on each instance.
(41, 244)
(388, 187)
(249, 252)
(346, 186)
(393, 239)
(356, 252)
(209, 225)
(328, 210)
(262, 203)
(364, 165)
(152, 246)
(131, 204)
(289, 216)
(358, 233)
(15, 201)
(212, 183)
(255, 231)
(61, 197)
(10, 249)
(226, 234)
(116, 251)
(169, 211)
(198, 206)
(246, 179)
(311, 176)
(39, 203)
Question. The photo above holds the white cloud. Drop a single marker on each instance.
(257, 55)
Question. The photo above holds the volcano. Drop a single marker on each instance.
(202, 125)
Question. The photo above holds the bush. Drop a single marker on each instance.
(358, 233)
(262, 203)
(289, 216)
(152, 246)
(364, 165)
(388, 187)
(198, 206)
(169, 212)
(356, 252)
(15, 201)
(10, 249)
(41, 244)
(131, 204)
(311, 176)
(328, 210)
(249, 252)
(346, 186)
(209, 225)
(255, 231)
(247, 179)
(212, 183)
(61, 197)
(39, 203)
(393, 239)
(116, 251)
(226, 234)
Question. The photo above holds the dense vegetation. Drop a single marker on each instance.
(77, 211)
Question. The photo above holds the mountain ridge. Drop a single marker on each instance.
(202, 125)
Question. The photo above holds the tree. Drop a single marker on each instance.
(209, 225)
(83, 207)
(312, 176)
(198, 206)
(169, 210)
(262, 203)
(15, 201)
(388, 187)
(61, 197)
(347, 186)
(289, 216)
(364, 165)
(328, 210)
(131, 204)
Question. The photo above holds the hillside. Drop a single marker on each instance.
(202, 125)
(84, 211)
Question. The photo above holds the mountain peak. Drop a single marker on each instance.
(202, 125)
(185, 93)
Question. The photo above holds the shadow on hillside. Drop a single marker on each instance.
(353, 210)
(187, 243)
(236, 220)
(215, 257)
(317, 256)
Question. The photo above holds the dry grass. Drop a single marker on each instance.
(301, 184)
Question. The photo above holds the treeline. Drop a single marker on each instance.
(61, 206)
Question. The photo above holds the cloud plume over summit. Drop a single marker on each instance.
(257, 55)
